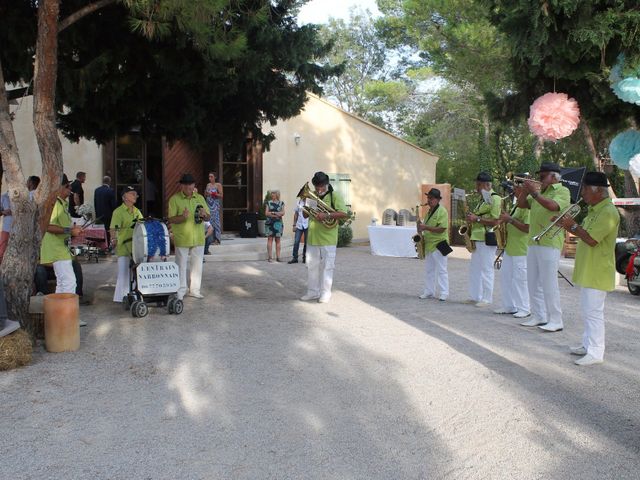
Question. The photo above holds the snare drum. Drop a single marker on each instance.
(150, 239)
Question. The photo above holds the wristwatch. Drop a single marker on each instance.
(573, 228)
(478, 220)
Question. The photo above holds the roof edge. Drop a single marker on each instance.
(437, 157)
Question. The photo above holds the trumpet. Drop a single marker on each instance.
(517, 180)
(555, 227)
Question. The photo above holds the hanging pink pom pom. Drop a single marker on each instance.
(554, 116)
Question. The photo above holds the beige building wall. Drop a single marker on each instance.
(85, 156)
(385, 171)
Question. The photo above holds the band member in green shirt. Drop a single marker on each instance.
(122, 223)
(543, 257)
(484, 217)
(187, 210)
(322, 241)
(435, 229)
(513, 273)
(594, 269)
(54, 248)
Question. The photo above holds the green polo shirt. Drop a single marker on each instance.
(485, 211)
(54, 246)
(595, 266)
(318, 234)
(188, 233)
(540, 217)
(122, 221)
(517, 241)
(440, 219)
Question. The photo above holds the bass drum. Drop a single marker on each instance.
(151, 234)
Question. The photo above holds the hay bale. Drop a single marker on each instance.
(15, 350)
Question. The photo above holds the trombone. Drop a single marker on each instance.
(554, 227)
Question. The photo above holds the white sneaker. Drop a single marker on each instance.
(502, 311)
(520, 314)
(82, 323)
(578, 350)
(424, 296)
(482, 304)
(324, 298)
(551, 327)
(443, 299)
(588, 360)
(308, 296)
(532, 322)
(195, 295)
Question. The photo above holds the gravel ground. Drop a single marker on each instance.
(251, 383)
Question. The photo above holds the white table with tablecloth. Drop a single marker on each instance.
(392, 241)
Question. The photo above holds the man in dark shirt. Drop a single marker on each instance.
(104, 201)
(77, 194)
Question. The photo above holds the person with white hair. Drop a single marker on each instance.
(594, 269)
(122, 222)
(483, 218)
(543, 256)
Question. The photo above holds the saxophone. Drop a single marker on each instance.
(418, 238)
(501, 235)
(465, 230)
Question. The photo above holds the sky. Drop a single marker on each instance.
(319, 11)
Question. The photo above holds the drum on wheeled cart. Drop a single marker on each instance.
(152, 278)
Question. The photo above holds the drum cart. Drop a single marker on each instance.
(152, 281)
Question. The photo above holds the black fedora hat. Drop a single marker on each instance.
(434, 192)
(187, 179)
(549, 167)
(483, 177)
(595, 179)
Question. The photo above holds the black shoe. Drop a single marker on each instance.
(293, 260)
(304, 260)
(207, 252)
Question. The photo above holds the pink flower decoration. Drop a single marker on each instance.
(554, 116)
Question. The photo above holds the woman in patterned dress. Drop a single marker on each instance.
(213, 195)
(274, 211)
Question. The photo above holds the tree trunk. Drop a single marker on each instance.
(591, 145)
(31, 217)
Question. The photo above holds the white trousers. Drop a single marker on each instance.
(481, 273)
(435, 272)
(513, 278)
(542, 282)
(65, 278)
(196, 254)
(122, 280)
(321, 261)
(592, 310)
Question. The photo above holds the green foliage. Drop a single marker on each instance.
(345, 235)
(213, 69)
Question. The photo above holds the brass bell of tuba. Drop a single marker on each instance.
(305, 194)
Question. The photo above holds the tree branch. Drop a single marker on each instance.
(83, 12)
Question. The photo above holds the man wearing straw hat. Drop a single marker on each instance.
(594, 269)
(187, 210)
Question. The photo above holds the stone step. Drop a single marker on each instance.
(246, 250)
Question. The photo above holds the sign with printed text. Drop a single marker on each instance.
(626, 202)
(158, 278)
